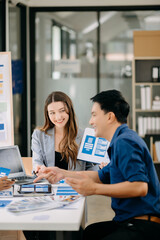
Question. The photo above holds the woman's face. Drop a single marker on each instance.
(57, 114)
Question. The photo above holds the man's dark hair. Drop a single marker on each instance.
(113, 101)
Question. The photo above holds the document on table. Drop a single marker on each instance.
(65, 191)
(6, 193)
(4, 203)
(93, 149)
(74, 205)
(34, 204)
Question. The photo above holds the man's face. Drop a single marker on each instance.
(99, 120)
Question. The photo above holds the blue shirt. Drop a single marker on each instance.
(131, 161)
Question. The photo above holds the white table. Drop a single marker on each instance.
(54, 220)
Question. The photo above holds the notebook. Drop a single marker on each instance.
(10, 158)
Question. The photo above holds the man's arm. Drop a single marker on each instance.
(55, 174)
(88, 183)
(86, 186)
(123, 190)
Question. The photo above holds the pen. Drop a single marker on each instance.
(10, 179)
(35, 173)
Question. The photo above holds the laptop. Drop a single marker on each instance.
(10, 158)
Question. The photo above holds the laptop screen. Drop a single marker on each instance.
(10, 158)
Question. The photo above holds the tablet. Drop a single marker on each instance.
(32, 188)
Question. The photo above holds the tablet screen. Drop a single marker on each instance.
(31, 188)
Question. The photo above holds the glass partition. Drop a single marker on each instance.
(17, 72)
(66, 60)
(66, 55)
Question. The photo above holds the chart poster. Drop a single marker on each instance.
(93, 149)
(6, 105)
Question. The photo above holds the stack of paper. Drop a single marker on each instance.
(34, 204)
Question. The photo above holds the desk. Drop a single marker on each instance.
(59, 219)
(55, 220)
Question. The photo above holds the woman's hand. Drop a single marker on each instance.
(102, 165)
(39, 169)
(5, 183)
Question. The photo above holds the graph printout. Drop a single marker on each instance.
(6, 106)
(93, 149)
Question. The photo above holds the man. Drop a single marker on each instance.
(129, 179)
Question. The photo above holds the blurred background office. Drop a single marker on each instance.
(78, 47)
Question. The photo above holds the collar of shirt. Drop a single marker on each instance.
(118, 131)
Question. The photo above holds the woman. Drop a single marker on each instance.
(57, 142)
(5, 183)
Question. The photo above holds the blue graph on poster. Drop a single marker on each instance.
(88, 145)
(101, 147)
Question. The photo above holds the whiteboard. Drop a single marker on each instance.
(6, 102)
(93, 149)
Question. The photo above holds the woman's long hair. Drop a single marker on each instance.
(68, 144)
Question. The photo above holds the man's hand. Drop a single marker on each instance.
(82, 184)
(52, 174)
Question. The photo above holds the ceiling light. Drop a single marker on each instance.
(102, 20)
(152, 19)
